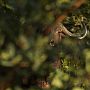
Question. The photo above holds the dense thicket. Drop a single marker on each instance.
(27, 61)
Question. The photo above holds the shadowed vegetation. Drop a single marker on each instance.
(28, 61)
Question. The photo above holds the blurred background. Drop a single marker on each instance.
(27, 61)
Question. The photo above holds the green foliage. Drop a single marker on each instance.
(25, 51)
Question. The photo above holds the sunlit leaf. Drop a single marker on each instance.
(78, 88)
